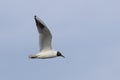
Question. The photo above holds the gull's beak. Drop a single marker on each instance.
(62, 56)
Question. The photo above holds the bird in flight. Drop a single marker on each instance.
(45, 39)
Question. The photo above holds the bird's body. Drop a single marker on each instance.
(45, 54)
(45, 39)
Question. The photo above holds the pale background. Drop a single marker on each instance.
(86, 32)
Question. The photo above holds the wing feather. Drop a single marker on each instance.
(45, 36)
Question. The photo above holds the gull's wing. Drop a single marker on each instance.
(45, 36)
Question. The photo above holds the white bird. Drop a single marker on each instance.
(45, 39)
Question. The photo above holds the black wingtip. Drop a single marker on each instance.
(35, 16)
(35, 19)
(38, 22)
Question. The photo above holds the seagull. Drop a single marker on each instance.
(45, 39)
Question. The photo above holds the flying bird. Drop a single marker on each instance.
(45, 39)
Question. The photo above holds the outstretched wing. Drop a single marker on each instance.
(45, 36)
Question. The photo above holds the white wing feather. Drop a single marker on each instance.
(45, 36)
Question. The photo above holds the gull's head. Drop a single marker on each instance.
(59, 54)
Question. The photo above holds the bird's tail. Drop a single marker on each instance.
(32, 56)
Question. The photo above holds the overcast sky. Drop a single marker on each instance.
(86, 32)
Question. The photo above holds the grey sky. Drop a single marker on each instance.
(87, 32)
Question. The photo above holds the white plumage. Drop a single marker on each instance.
(45, 39)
